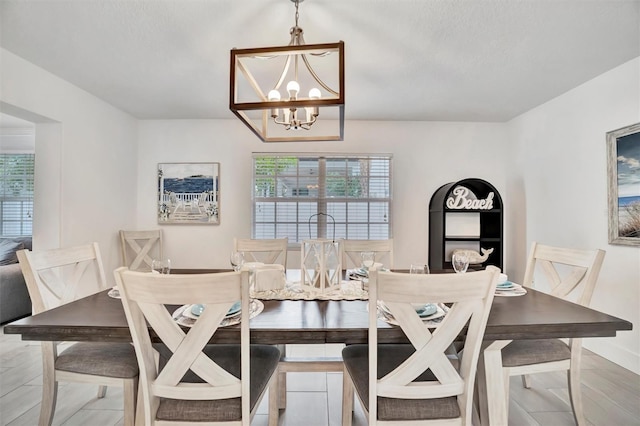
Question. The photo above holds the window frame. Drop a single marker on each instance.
(25, 197)
(321, 199)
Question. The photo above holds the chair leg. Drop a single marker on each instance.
(273, 400)
(526, 381)
(49, 397)
(140, 415)
(475, 409)
(130, 392)
(481, 391)
(347, 399)
(575, 393)
(282, 390)
(102, 391)
(506, 381)
(496, 379)
(282, 381)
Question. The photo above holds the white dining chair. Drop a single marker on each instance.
(139, 248)
(570, 274)
(268, 251)
(351, 249)
(271, 251)
(194, 382)
(59, 276)
(417, 383)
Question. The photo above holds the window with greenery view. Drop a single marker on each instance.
(288, 189)
(16, 194)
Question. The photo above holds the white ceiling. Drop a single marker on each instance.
(454, 60)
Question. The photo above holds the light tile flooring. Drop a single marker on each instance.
(611, 394)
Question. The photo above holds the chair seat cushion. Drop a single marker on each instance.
(356, 361)
(527, 352)
(99, 359)
(263, 363)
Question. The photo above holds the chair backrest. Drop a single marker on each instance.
(469, 295)
(265, 251)
(144, 297)
(139, 248)
(565, 269)
(58, 276)
(351, 249)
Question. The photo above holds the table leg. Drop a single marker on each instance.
(491, 385)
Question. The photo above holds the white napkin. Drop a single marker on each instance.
(502, 278)
(250, 266)
(377, 266)
(269, 277)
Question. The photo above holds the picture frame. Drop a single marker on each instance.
(623, 170)
(188, 193)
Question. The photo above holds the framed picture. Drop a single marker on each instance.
(623, 161)
(188, 193)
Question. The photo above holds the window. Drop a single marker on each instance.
(16, 194)
(289, 189)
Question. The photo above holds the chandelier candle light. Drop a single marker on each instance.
(316, 117)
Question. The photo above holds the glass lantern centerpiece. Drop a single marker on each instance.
(321, 262)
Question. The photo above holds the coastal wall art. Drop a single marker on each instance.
(188, 193)
(623, 166)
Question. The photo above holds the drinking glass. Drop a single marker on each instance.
(161, 266)
(237, 260)
(368, 258)
(460, 262)
(419, 269)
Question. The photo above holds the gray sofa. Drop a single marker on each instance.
(14, 297)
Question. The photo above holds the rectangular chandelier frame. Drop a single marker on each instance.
(260, 127)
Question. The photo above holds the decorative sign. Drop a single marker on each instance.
(463, 199)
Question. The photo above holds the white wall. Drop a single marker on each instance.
(86, 163)
(425, 156)
(17, 140)
(558, 192)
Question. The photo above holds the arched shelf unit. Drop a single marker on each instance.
(466, 214)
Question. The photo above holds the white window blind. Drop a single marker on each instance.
(288, 189)
(16, 194)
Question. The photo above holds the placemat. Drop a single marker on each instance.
(348, 290)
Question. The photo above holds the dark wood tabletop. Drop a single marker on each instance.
(533, 316)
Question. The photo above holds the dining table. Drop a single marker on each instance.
(534, 315)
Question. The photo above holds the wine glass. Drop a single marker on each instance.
(237, 260)
(368, 258)
(419, 269)
(460, 262)
(161, 266)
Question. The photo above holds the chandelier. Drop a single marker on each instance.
(257, 97)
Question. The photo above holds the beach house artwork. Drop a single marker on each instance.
(624, 185)
(188, 193)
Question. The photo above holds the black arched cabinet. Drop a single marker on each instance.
(466, 214)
